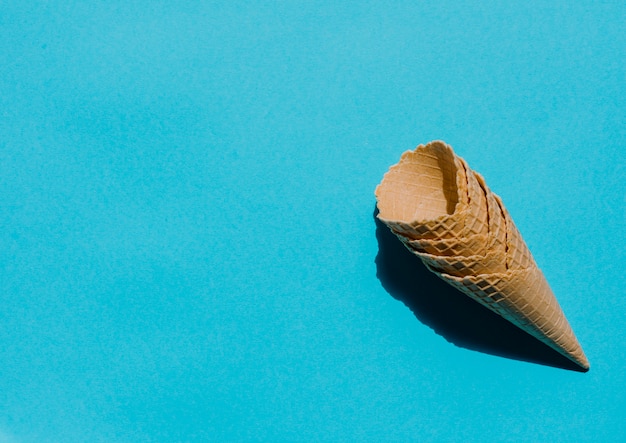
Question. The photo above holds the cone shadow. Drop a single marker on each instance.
(450, 313)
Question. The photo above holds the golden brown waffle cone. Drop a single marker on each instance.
(494, 267)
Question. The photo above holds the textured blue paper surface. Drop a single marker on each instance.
(187, 244)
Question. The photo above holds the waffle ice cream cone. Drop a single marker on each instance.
(445, 214)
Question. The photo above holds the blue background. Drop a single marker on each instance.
(188, 250)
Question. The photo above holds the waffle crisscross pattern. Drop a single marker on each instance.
(446, 214)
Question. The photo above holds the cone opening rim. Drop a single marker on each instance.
(422, 203)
